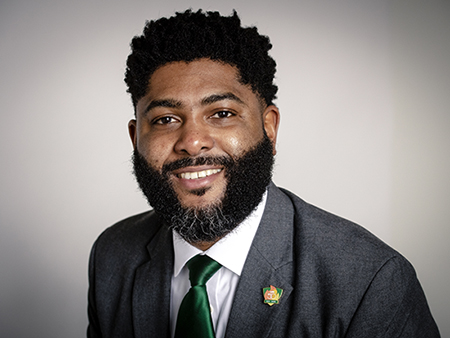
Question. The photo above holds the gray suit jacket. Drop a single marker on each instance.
(338, 280)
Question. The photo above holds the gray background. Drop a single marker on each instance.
(364, 91)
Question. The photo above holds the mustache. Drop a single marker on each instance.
(224, 161)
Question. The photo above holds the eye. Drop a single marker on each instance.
(222, 114)
(164, 120)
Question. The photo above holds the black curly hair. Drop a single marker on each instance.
(191, 36)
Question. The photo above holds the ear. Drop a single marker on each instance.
(271, 120)
(132, 130)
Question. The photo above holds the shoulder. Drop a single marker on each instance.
(132, 229)
(338, 252)
(128, 239)
(329, 234)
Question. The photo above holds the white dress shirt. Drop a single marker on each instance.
(231, 252)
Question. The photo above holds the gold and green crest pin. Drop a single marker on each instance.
(272, 295)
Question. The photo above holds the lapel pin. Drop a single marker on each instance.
(272, 295)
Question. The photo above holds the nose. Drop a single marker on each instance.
(195, 138)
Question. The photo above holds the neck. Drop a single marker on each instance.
(204, 245)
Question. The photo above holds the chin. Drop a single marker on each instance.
(200, 201)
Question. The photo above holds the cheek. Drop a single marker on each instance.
(234, 143)
(237, 144)
(155, 152)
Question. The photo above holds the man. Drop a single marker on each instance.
(204, 142)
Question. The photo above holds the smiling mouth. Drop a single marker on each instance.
(198, 174)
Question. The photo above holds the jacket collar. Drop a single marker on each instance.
(151, 292)
(268, 263)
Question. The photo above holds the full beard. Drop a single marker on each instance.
(247, 179)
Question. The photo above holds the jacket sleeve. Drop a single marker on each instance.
(394, 305)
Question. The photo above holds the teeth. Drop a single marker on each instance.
(199, 174)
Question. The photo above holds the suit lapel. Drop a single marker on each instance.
(268, 263)
(151, 292)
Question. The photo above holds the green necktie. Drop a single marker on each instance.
(194, 317)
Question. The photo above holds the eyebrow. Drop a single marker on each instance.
(220, 97)
(167, 103)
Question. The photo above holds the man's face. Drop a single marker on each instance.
(196, 110)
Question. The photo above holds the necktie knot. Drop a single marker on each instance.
(201, 269)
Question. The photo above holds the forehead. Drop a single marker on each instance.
(204, 67)
(192, 81)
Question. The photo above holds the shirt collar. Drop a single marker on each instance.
(231, 251)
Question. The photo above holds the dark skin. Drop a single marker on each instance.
(199, 109)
